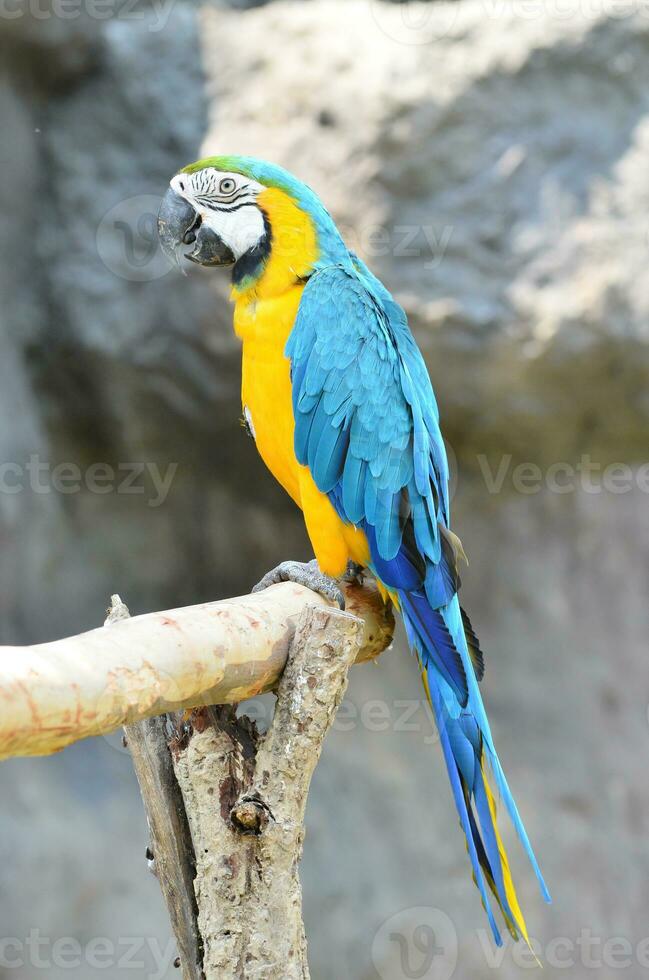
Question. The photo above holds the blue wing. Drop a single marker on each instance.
(367, 426)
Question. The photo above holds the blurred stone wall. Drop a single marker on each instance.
(120, 361)
(491, 167)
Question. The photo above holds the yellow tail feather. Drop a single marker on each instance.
(510, 888)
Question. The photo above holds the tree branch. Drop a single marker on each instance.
(171, 851)
(245, 798)
(56, 693)
(225, 809)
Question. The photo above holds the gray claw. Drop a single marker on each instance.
(355, 574)
(307, 574)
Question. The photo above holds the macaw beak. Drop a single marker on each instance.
(180, 224)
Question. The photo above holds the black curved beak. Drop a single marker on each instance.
(180, 224)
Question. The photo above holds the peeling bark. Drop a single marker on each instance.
(171, 851)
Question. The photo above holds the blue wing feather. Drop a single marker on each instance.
(349, 369)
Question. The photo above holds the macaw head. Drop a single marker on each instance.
(250, 215)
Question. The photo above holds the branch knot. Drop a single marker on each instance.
(250, 815)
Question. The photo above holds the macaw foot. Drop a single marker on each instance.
(355, 574)
(307, 574)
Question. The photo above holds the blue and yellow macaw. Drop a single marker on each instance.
(339, 401)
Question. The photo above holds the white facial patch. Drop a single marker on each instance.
(240, 231)
(227, 203)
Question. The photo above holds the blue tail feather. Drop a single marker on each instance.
(469, 754)
(460, 799)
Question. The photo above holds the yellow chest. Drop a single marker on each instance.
(263, 318)
(264, 327)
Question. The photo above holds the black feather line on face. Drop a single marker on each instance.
(244, 193)
(225, 209)
(251, 264)
(234, 195)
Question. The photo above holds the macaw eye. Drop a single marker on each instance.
(227, 185)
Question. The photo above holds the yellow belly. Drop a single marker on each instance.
(264, 327)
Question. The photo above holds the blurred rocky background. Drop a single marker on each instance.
(490, 162)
